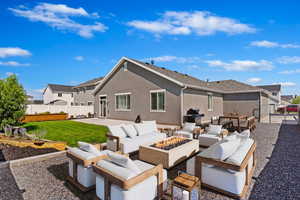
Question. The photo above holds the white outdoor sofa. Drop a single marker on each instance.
(227, 166)
(127, 138)
(120, 178)
(81, 159)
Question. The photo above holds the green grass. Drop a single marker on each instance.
(69, 131)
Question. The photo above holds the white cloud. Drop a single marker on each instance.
(286, 84)
(168, 58)
(197, 22)
(13, 51)
(254, 80)
(242, 65)
(79, 58)
(289, 59)
(296, 71)
(36, 93)
(13, 64)
(11, 73)
(269, 44)
(59, 17)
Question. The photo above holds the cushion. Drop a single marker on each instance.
(238, 156)
(153, 122)
(117, 130)
(208, 139)
(124, 162)
(245, 133)
(129, 130)
(189, 127)
(116, 169)
(185, 134)
(89, 148)
(83, 154)
(214, 129)
(224, 149)
(144, 128)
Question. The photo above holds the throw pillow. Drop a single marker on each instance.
(224, 149)
(214, 129)
(89, 148)
(117, 130)
(129, 130)
(124, 162)
(189, 127)
(153, 123)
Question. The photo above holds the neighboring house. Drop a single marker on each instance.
(135, 88)
(83, 93)
(276, 92)
(58, 95)
(287, 99)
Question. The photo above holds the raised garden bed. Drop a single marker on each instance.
(9, 152)
(45, 117)
(15, 148)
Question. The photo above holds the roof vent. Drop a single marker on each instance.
(186, 74)
(176, 71)
(152, 62)
(147, 63)
(163, 68)
(218, 81)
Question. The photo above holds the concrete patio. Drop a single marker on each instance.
(276, 176)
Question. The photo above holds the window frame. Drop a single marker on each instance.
(210, 98)
(59, 94)
(90, 104)
(122, 109)
(165, 102)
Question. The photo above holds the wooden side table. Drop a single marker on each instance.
(185, 187)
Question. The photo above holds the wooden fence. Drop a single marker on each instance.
(44, 117)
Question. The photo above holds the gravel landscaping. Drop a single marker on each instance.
(277, 174)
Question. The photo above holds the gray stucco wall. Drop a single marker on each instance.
(139, 82)
(265, 107)
(84, 96)
(197, 99)
(243, 103)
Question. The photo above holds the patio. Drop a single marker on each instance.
(275, 177)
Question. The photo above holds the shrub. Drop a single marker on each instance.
(12, 101)
(296, 100)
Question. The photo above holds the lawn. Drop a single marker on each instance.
(69, 131)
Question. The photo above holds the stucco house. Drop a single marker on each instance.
(275, 90)
(55, 94)
(135, 88)
(83, 93)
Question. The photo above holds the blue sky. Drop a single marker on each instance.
(68, 42)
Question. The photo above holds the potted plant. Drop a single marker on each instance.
(38, 136)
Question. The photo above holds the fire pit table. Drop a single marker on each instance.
(169, 152)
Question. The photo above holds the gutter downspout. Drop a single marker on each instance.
(181, 102)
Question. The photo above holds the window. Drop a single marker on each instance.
(210, 102)
(59, 94)
(72, 95)
(274, 94)
(90, 103)
(157, 101)
(82, 104)
(72, 104)
(123, 102)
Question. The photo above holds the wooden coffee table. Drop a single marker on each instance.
(168, 158)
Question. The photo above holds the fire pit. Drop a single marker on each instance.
(170, 143)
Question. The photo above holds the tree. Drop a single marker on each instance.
(296, 100)
(12, 101)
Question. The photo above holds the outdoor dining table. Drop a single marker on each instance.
(239, 118)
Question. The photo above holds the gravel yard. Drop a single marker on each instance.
(278, 169)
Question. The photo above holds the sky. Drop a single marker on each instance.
(69, 42)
